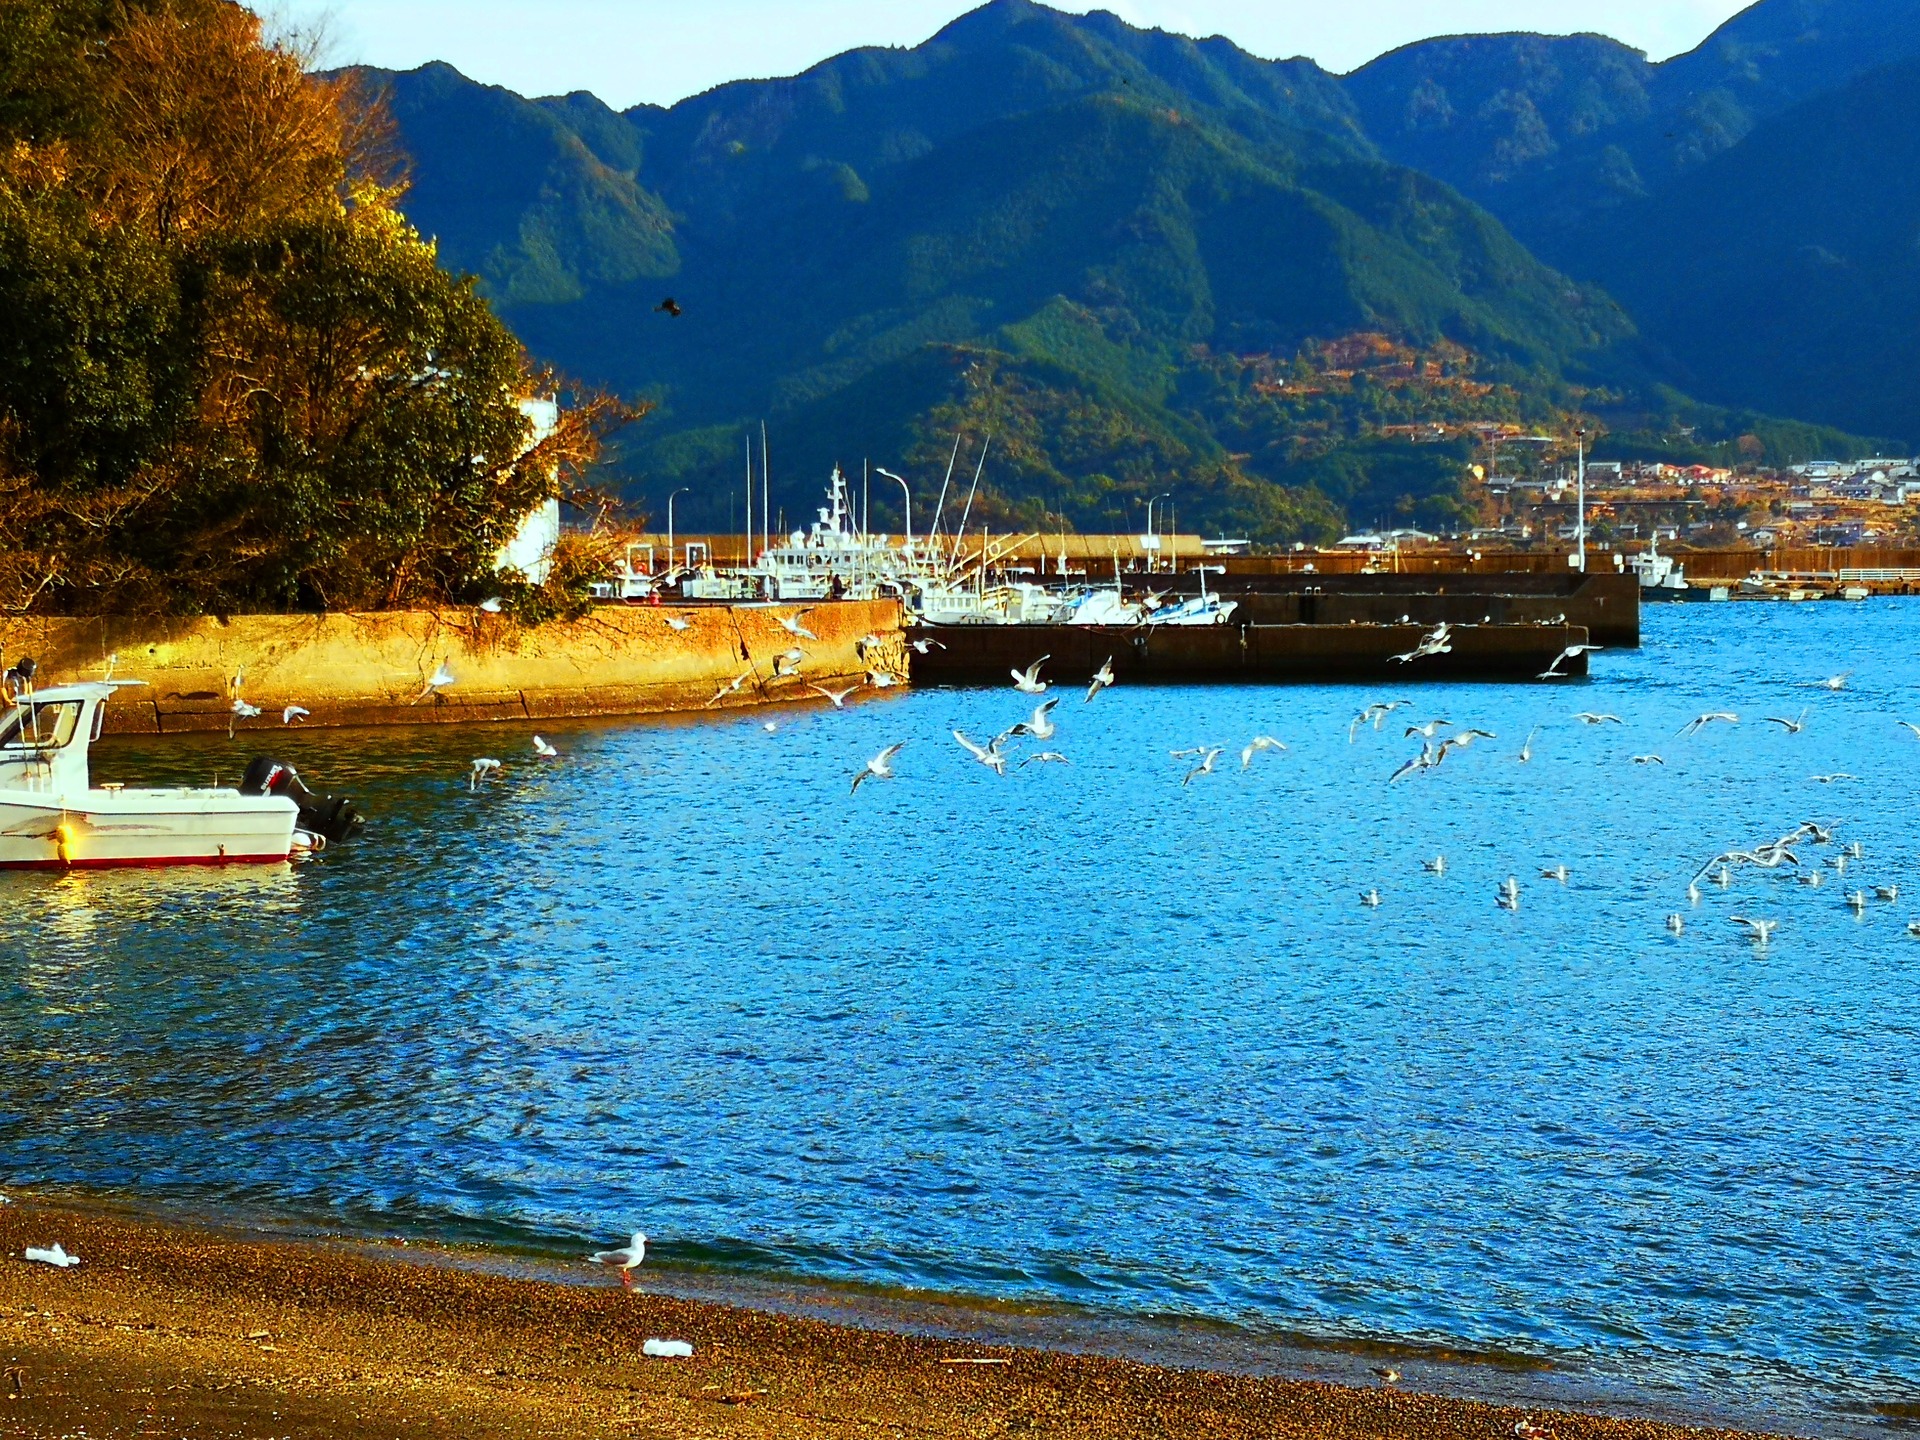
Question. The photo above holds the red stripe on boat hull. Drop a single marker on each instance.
(142, 862)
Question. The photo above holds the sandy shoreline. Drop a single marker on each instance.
(167, 1330)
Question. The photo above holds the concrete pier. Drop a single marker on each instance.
(1607, 606)
(372, 669)
(1241, 654)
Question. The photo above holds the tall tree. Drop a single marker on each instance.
(231, 375)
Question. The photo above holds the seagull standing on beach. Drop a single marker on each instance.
(624, 1259)
(1028, 682)
(880, 767)
(1102, 678)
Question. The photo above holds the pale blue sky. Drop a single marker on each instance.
(627, 51)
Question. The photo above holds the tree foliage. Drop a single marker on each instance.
(232, 375)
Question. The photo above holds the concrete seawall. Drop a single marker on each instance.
(372, 669)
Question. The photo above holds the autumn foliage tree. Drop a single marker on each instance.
(232, 376)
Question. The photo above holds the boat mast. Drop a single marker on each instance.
(977, 470)
(766, 532)
(934, 529)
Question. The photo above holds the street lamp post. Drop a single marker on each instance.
(670, 499)
(907, 492)
(1150, 530)
(1580, 439)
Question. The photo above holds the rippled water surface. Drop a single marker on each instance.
(1079, 1034)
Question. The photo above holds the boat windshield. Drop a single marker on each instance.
(41, 727)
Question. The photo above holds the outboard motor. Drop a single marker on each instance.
(334, 817)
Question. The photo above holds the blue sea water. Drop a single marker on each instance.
(1080, 1034)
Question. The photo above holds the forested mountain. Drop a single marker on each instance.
(1786, 272)
(1132, 256)
(1553, 132)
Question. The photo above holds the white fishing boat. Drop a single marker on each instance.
(52, 817)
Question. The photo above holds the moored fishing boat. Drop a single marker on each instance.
(53, 817)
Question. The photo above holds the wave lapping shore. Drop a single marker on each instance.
(167, 1330)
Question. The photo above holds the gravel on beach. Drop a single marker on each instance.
(164, 1330)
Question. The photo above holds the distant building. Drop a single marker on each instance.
(531, 549)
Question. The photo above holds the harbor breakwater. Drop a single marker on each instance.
(374, 669)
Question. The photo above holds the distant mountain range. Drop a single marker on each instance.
(1140, 260)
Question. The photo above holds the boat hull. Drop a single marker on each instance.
(108, 829)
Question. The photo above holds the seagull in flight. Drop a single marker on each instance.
(675, 622)
(1832, 682)
(1761, 930)
(1648, 760)
(293, 713)
(1911, 726)
(791, 624)
(1554, 672)
(441, 678)
(1045, 757)
(544, 750)
(623, 1259)
(731, 686)
(1558, 872)
(1028, 682)
(1037, 725)
(483, 771)
(838, 697)
(1792, 727)
(1423, 761)
(1700, 722)
(1587, 717)
(988, 755)
(1375, 715)
(921, 647)
(1526, 750)
(1259, 743)
(1207, 756)
(1832, 779)
(880, 767)
(1102, 678)
(1428, 730)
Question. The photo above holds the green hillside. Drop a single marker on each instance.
(1109, 247)
(1783, 273)
(1553, 133)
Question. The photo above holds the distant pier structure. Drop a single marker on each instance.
(1320, 628)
